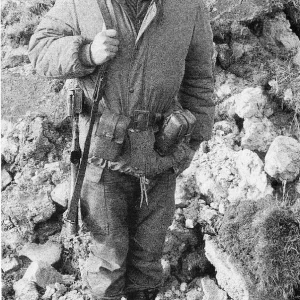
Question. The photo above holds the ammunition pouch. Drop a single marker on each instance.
(109, 135)
(176, 128)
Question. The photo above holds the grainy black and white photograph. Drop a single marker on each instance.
(150, 149)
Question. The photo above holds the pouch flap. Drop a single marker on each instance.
(107, 124)
(121, 129)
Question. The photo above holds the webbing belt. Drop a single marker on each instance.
(71, 216)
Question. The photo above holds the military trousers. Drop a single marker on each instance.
(128, 236)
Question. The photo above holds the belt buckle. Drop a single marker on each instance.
(141, 119)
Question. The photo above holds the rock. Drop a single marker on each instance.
(33, 137)
(183, 287)
(50, 290)
(42, 274)
(253, 183)
(9, 264)
(222, 208)
(186, 186)
(224, 90)
(13, 237)
(14, 57)
(296, 59)
(207, 215)
(166, 268)
(231, 10)
(74, 295)
(6, 179)
(229, 274)
(49, 252)
(277, 35)
(27, 206)
(258, 134)
(54, 291)
(194, 294)
(283, 159)
(4, 290)
(25, 290)
(250, 103)
(61, 193)
(212, 291)
(298, 187)
(189, 223)
(216, 171)
(41, 177)
(194, 264)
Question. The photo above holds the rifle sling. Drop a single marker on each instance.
(97, 96)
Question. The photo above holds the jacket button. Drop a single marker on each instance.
(131, 90)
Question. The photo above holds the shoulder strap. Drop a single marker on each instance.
(72, 213)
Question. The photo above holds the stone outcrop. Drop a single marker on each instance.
(283, 159)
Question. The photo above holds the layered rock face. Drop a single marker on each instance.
(235, 233)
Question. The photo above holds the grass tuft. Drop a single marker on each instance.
(265, 238)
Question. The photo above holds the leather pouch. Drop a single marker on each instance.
(176, 128)
(109, 136)
(144, 159)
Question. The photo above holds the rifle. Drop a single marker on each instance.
(71, 219)
(75, 98)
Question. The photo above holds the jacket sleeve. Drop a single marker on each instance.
(196, 92)
(57, 49)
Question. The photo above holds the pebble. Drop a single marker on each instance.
(189, 223)
(183, 286)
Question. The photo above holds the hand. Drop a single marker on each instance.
(104, 47)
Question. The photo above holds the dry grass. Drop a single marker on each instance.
(265, 238)
(285, 86)
(19, 20)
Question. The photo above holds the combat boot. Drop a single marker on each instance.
(142, 295)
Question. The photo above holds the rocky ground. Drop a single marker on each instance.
(236, 229)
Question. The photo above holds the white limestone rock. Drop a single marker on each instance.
(42, 274)
(25, 290)
(9, 264)
(6, 179)
(194, 294)
(258, 134)
(251, 102)
(283, 159)
(253, 183)
(49, 252)
(211, 290)
(61, 193)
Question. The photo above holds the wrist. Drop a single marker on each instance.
(85, 55)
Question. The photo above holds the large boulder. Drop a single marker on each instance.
(283, 159)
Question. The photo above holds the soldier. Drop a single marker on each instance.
(158, 58)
